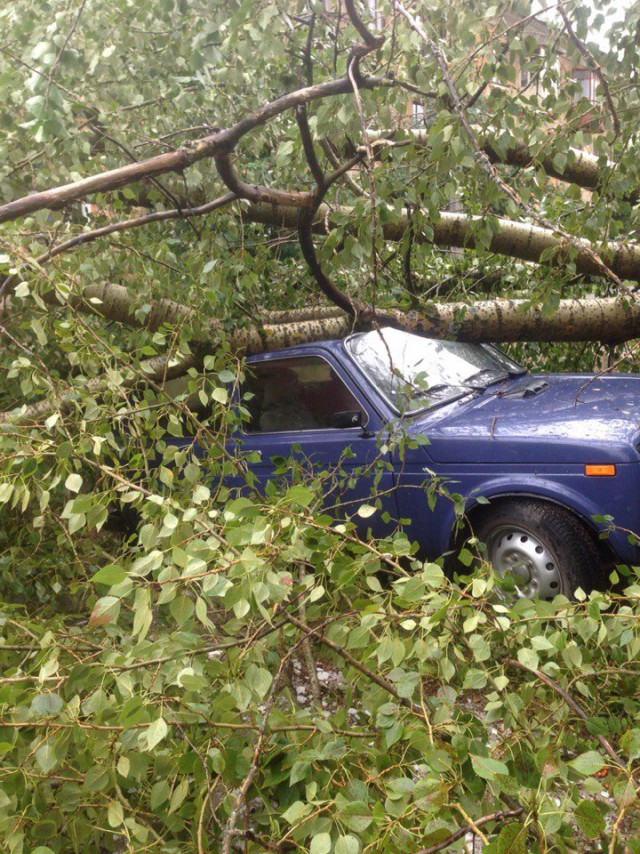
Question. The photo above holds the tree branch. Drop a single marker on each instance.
(306, 220)
(484, 161)
(501, 815)
(177, 161)
(257, 192)
(582, 168)
(515, 239)
(122, 225)
(568, 699)
(370, 40)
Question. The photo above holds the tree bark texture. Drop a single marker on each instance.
(606, 320)
(610, 320)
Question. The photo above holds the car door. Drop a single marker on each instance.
(307, 415)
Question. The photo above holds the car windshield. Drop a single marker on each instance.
(415, 373)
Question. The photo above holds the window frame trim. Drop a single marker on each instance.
(297, 431)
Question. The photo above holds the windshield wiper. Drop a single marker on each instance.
(498, 374)
(435, 389)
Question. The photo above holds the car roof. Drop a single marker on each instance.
(333, 345)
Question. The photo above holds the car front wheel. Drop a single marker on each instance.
(547, 550)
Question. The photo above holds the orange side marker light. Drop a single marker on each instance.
(600, 470)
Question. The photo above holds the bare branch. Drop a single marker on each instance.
(308, 146)
(371, 41)
(305, 238)
(348, 179)
(306, 218)
(257, 192)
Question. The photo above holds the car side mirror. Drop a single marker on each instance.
(347, 418)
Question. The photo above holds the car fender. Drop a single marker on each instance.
(525, 487)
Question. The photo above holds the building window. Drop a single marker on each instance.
(417, 114)
(586, 79)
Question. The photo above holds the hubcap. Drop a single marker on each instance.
(534, 566)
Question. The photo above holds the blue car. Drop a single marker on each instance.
(537, 461)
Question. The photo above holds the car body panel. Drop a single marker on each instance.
(573, 416)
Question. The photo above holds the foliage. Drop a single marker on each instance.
(137, 725)
(138, 729)
(150, 687)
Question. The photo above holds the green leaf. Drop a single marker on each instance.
(96, 779)
(156, 732)
(299, 771)
(320, 844)
(110, 574)
(529, 658)
(357, 816)
(630, 743)
(366, 510)
(73, 482)
(115, 814)
(159, 794)
(146, 564)
(589, 819)
(179, 794)
(182, 609)
(105, 611)
(301, 495)
(259, 679)
(170, 522)
(465, 557)
(512, 839)
(347, 845)
(46, 704)
(488, 768)
(46, 757)
(588, 763)
(296, 811)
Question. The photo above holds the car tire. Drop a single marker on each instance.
(543, 544)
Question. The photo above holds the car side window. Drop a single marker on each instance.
(302, 393)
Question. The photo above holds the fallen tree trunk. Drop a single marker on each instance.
(611, 320)
(605, 320)
(581, 167)
(515, 239)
